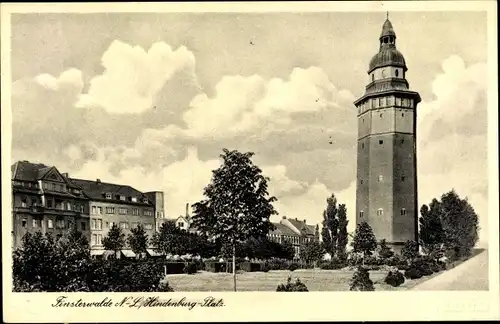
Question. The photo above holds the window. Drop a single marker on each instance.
(133, 199)
(53, 186)
(135, 211)
(122, 197)
(93, 223)
(148, 213)
(145, 200)
(83, 226)
(24, 223)
(122, 211)
(402, 140)
(380, 212)
(398, 101)
(50, 223)
(94, 210)
(148, 226)
(381, 115)
(99, 210)
(68, 205)
(181, 224)
(111, 224)
(94, 239)
(403, 212)
(99, 239)
(381, 142)
(380, 102)
(403, 178)
(402, 114)
(35, 223)
(24, 201)
(110, 210)
(135, 224)
(108, 195)
(397, 73)
(362, 145)
(373, 77)
(361, 181)
(60, 223)
(124, 225)
(99, 224)
(380, 178)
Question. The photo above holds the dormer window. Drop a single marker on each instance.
(133, 199)
(108, 195)
(145, 200)
(121, 197)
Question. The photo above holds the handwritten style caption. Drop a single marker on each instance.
(139, 302)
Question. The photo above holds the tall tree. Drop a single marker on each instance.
(115, 240)
(237, 204)
(364, 240)
(311, 251)
(342, 237)
(431, 233)
(316, 233)
(460, 224)
(138, 240)
(330, 226)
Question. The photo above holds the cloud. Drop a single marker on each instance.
(452, 137)
(133, 76)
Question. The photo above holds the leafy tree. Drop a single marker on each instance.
(169, 239)
(385, 252)
(364, 240)
(460, 224)
(115, 240)
(410, 250)
(330, 226)
(286, 251)
(311, 251)
(237, 204)
(138, 240)
(342, 237)
(431, 233)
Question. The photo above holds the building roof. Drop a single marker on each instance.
(96, 190)
(302, 226)
(387, 29)
(282, 230)
(388, 54)
(27, 171)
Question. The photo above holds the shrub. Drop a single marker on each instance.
(264, 267)
(394, 278)
(190, 268)
(361, 280)
(250, 266)
(164, 287)
(292, 287)
(413, 273)
(293, 266)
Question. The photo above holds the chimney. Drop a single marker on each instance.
(296, 219)
(304, 221)
(187, 209)
(65, 174)
(98, 181)
(284, 217)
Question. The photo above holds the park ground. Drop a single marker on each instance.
(335, 280)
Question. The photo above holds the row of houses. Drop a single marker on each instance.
(46, 200)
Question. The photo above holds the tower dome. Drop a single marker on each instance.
(388, 54)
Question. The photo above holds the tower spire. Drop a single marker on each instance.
(387, 15)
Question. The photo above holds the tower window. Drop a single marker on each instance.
(403, 178)
(397, 73)
(381, 142)
(402, 140)
(361, 214)
(402, 114)
(361, 181)
(380, 178)
(380, 115)
(362, 145)
(403, 212)
(380, 212)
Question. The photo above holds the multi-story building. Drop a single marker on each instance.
(386, 190)
(293, 231)
(157, 199)
(45, 200)
(115, 204)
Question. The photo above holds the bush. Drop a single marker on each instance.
(293, 266)
(333, 264)
(361, 280)
(394, 278)
(277, 264)
(219, 267)
(264, 267)
(190, 268)
(250, 266)
(292, 287)
(164, 287)
(413, 273)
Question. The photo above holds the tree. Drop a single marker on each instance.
(311, 251)
(410, 250)
(364, 240)
(316, 233)
(460, 225)
(286, 251)
(330, 226)
(115, 240)
(237, 204)
(138, 240)
(342, 237)
(361, 280)
(431, 233)
(385, 252)
(169, 239)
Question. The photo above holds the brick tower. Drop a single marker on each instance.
(386, 189)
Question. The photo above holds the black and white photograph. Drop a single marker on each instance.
(156, 152)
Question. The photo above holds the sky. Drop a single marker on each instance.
(151, 99)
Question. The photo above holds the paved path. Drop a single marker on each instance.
(469, 275)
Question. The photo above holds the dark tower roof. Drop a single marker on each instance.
(388, 54)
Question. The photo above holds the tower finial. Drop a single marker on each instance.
(387, 15)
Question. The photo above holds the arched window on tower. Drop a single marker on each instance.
(403, 212)
(380, 178)
(361, 214)
(380, 212)
(397, 72)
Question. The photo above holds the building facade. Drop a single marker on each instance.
(111, 204)
(386, 189)
(157, 198)
(293, 231)
(45, 200)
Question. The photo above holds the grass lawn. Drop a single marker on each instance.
(315, 280)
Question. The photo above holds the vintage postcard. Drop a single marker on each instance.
(197, 161)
